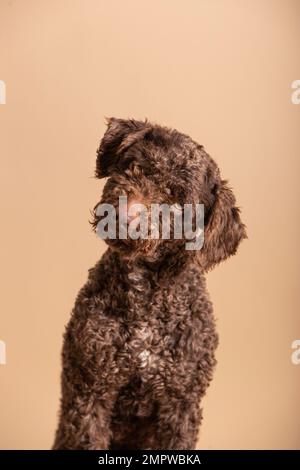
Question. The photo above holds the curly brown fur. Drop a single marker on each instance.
(139, 349)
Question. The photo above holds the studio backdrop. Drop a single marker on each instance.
(226, 73)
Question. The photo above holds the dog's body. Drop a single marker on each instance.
(139, 349)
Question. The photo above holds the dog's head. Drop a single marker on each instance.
(151, 164)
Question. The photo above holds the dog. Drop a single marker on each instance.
(139, 349)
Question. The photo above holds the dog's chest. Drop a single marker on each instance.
(158, 328)
(151, 348)
(144, 347)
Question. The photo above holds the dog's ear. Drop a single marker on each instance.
(223, 227)
(119, 136)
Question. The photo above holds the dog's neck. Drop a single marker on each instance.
(157, 272)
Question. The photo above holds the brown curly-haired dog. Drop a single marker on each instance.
(139, 349)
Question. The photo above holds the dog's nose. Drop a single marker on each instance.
(129, 213)
(131, 217)
(125, 217)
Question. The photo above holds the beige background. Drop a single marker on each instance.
(218, 70)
